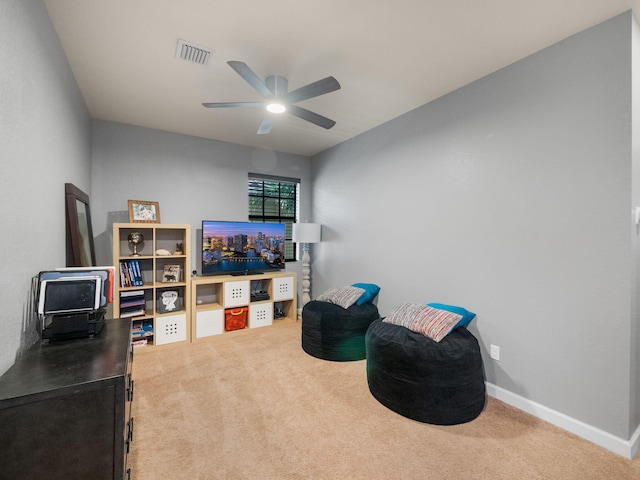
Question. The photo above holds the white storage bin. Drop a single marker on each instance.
(170, 329)
(283, 289)
(236, 294)
(209, 323)
(260, 315)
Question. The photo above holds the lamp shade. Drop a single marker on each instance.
(307, 232)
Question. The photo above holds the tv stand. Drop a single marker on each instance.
(212, 295)
(245, 273)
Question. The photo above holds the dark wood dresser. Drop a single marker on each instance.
(65, 409)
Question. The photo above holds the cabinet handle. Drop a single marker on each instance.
(131, 391)
(128, 474)
(131, 430)
(129, 382)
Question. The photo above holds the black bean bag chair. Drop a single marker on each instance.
(331, 332)
(437, 383)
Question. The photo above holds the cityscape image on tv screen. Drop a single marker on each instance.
(241, 247)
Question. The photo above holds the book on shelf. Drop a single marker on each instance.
(131, 293)
(130, 274)
(132, 304)
(141, 330)
(139, 312)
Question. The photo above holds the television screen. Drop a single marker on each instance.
(241, 248)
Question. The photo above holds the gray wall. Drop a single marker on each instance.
(510, 197)
(45, 141)
(193, 179)
(634, 336)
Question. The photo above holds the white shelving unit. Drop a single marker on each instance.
(212, 296)
(161, 299)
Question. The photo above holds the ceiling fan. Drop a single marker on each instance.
(278, 99)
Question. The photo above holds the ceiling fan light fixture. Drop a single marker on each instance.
(279, 99)
(276, 107)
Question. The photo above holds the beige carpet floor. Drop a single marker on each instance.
(253, 405)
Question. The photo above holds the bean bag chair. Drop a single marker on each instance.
(331, 332)
(440, 383)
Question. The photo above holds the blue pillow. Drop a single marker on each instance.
(371, 290)
(467, 316)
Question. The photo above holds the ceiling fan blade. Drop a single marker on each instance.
(251, 78)
(309, 116)
(314, 89)
(265, 126)
(233, 104)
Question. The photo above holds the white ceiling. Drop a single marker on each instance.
(389, 57)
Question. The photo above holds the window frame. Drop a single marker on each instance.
(280, 216)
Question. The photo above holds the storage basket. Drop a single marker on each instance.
(235, 318)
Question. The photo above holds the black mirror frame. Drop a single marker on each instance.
(81, 250)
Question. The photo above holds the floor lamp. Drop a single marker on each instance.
(306, 233)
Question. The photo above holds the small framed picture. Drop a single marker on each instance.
(141, 211)
(171, 273)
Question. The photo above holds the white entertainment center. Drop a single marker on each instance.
(269, 297)
(203, 303)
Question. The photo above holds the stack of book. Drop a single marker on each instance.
(130, 274)
(132, 304)
(141, 333)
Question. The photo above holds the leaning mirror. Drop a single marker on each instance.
(80, 247)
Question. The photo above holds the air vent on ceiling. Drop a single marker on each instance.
(193, 53)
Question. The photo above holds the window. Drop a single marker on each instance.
(275, 200)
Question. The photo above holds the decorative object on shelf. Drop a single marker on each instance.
(179, 249)
(135, 239)
(306, 233)
(141, 211)
(169, 301)
(163, 252)
(171, 273)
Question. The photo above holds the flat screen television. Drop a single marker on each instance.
(242, 248)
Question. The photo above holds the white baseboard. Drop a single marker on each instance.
(626, 448)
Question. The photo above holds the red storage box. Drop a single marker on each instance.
(235, 318)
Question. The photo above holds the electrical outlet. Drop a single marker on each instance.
(495, 352)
